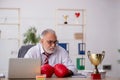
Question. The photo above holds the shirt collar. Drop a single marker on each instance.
(41, 49)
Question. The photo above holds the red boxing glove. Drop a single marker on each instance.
(61, 70)
(48, 70)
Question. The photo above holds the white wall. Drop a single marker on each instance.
(102, 32)
(102, 24)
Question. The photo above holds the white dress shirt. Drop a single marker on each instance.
(59, 56)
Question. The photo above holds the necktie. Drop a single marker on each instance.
(46, 59)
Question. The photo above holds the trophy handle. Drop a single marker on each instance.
(88, 53)
(103, 54)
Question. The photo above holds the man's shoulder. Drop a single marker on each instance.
(61, 50)
(35, 47)
(33, 51)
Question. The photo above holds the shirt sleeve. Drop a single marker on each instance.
(68, 62)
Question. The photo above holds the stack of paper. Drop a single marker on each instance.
(79, 75)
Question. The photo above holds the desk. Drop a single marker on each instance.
(109, 78)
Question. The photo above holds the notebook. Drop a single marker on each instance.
(23, 68)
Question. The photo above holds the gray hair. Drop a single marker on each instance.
(47, 31)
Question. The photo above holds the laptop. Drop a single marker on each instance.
(23, 68)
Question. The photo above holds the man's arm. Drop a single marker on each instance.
(68, 63)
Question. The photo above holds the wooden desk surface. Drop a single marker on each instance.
(109, 78)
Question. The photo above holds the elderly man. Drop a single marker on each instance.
(51, 53)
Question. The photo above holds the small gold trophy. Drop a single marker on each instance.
(65, 19)
(96, 59)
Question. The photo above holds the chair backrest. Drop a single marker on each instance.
(23, 50)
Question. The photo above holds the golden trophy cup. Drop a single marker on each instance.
(65, 19)
(96, 59)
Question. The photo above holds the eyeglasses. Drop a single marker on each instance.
(52, 42)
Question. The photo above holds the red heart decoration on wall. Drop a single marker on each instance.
(77, 14)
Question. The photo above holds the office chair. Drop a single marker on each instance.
(23, 50)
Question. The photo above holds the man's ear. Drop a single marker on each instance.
(41, 40)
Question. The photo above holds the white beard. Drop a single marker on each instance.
(50, 51)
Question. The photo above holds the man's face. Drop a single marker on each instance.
(49, 42)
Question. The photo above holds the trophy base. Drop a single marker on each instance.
(65, 22)
(95, 76)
